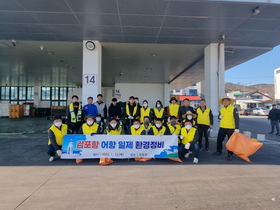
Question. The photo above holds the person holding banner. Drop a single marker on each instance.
(131, 112)
(55, 136)
(158, 112)
(146, 126)
(158, 128)
(145, 111)
(114, 128)
(189, 137)
(88, 128)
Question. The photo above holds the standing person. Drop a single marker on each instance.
(158, 112)
(114, 128)
(101, 107)
(146, 126)
(75, 98)
(145, 110)
(114, 109)
(158, 129)
(90, 108)
(75, 117)
(89, 127)
(55, 136)
(229, 123)
(131, 112)
(185, 108)
(189, 137)
(204, 123)
(274, 117)
(98, 120)
(173, 107)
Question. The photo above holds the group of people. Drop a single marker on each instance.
(188, 124)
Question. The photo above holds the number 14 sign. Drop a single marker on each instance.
(90, 79)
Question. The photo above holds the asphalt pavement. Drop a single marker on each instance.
(29, 181)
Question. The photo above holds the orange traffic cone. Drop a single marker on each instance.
(176, 159)
(143, 159)
(79, 160)
(105, 161)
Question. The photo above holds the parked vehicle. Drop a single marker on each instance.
(247, 112)
(260, 111)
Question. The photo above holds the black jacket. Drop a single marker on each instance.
(274, 114)
(114, 111)
(183, 110)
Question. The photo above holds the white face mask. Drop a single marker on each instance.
(58, 124)
(113, 125)
(189, 117)
(89, 122)
(136, 126)
(145, 105)
(158, 105)
(98, 119)
(158, 125)
(168, 120)
(188, 127)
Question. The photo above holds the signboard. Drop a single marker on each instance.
(90, 79)
(119, 146)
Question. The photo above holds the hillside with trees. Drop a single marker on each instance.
(266, 88)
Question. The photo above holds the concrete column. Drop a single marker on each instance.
(214, 79)
(92, 59)
(166, 94)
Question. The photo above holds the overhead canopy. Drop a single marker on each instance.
(148, 41)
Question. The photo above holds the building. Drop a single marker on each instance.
(277, 84)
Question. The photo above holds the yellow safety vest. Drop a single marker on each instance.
(159, 113)
(75, 118)
(188, 136)
(58, 133)
(175, 130)
(161, 131)
(203, 118)
(228, 120)
(143, 113)
(134, 131)
(127, 110)
(114, 132)
(173, 109)
(144, 128)
(90, 129)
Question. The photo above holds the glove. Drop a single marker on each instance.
(236, 130)
(187, 145)
(221, 116)
(181, 137)
(130, 117)
(174, 134)
(159, 135)
(105, 120)
(92, 134)
(58, 152)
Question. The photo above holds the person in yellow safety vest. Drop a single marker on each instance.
(204, 122)
(146, 126)
(190, 116)
(114, 128)
(159, 129)
(145, 111)
(75, 117)
(173, 126)
(75, 98)
(131, 112)
(189, 138)
(173, 108)
(229, 123)
(89, 128)
(185, 108)
(158, 112)
(55, 136)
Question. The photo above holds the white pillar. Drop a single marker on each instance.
(214, 79)
(166, 94)
(92, 59)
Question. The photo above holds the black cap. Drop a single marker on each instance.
(114, 99)
(131, 97)
(173, 98)
(57, 117)
(75, 96)
(76, 104)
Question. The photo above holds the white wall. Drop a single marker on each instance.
(149, 92)
(277, 83)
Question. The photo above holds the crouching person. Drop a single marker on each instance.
(114, 128)
(189, 137)
(90, 127)
(55, 135)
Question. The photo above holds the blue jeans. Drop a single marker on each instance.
(194, 148)
(51, 150)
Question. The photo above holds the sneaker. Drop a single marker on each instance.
(195, 160)
(187, 154)
(229, 156)
(216, 153)
(207, 150)
(51, 158)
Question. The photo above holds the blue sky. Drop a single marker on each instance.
(257, 70)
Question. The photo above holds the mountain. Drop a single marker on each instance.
(265, 88)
